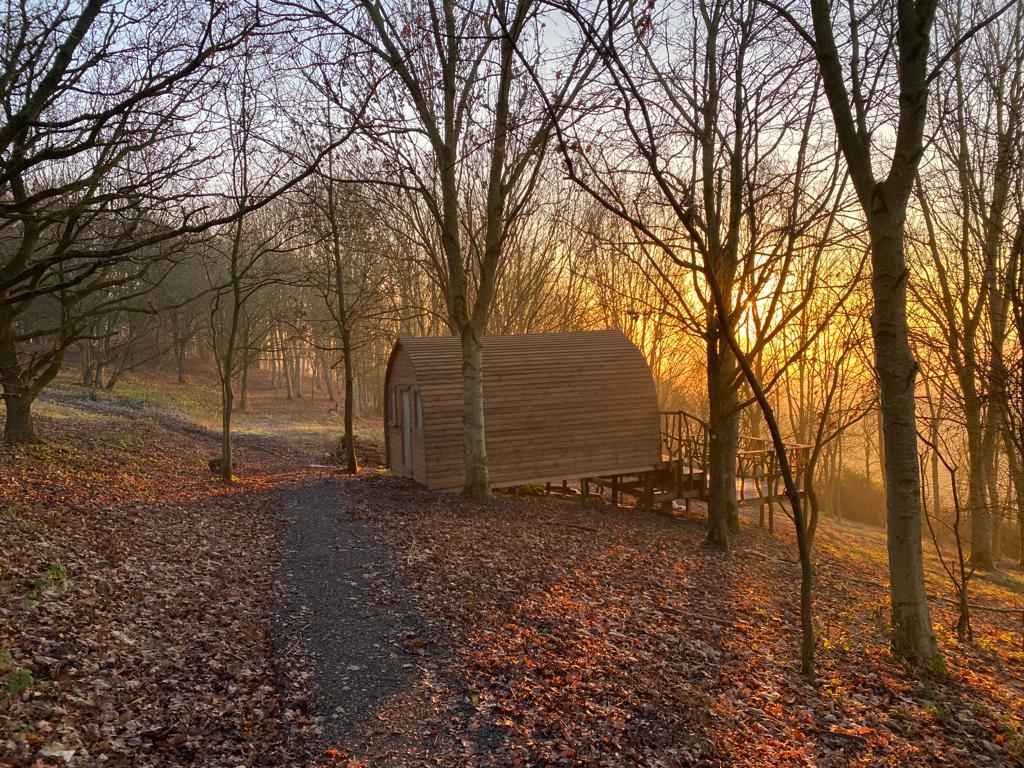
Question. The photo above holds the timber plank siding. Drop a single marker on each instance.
(556, 406)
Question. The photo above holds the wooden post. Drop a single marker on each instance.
(584, 490)
(649, 491)
(615, 491)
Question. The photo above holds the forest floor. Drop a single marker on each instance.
(150, 615)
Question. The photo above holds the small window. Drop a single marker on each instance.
(392, 405)
(419, 412)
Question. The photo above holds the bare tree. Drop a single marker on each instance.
(711, 193)
(855, 75)
(96, 161)
(470, 160)
(963, 193)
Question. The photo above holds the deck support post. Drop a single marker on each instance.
(615, 491)
(585, 490)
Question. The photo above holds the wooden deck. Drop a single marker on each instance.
(682, 473)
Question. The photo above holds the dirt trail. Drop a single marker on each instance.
(341, 607)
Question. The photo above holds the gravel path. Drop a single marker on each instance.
(342, 606)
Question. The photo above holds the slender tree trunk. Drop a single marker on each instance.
(837, 484)
(85, 363)
(286, 366)
(981, 531)
(179, 359)
(226, 364)
(477, 477)
(881, 449)
(912, 635)
(1016, 470)
(341, 317)
(178, 342)
(227, 403)
(352, 464)
(272, 359)
(723, 442)
(993, 508)
(933, 436)
(297, 369)
(1018, 492)
(328, 374)
(813, 501)
(243, 384)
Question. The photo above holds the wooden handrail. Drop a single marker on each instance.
(684, 438)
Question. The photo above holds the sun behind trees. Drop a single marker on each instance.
(810, 220)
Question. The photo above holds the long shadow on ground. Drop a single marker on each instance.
(342, 608)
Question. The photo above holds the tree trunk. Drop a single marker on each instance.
(1016, 470)
(993, 506)
(1020, 537)
(811, 494)
(981, 531)
(272, 359)
(475, 453)
(243, 385)
(179, 342)
(912, 635)
(351, 463)
(18, 425)
(297, 369)
(85, 363)
(723, 443)
(837, 485)
(286, 367)
(18, 395)
(179, 359)
(227, 403)
(881, 449)
(328, 373)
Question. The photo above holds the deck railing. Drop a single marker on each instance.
(758, 462)
(684, 438)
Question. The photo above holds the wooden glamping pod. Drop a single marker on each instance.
(556, 406)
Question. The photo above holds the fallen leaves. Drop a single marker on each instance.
(587, 636)
(134, 630)
(133, 599)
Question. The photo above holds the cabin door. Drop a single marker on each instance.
(406, 434)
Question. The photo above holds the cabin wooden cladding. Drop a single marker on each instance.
(556, 406)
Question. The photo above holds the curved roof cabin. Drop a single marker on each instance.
(556, 406)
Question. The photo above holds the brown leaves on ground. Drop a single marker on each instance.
(134, 628)
(587, 636)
